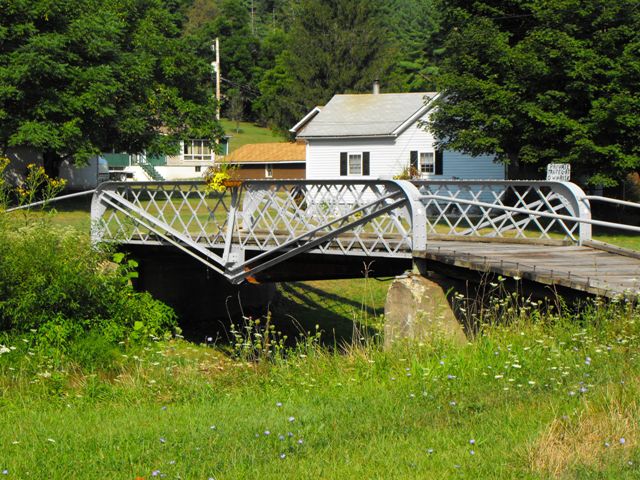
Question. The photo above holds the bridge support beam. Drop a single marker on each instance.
(417, 310)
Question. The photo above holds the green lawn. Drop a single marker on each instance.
(551, 400)
(554, 398)
(248, 133)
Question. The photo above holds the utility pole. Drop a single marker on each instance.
(216, 69)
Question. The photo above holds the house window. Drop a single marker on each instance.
(198, 169)
(427, 162)
(355, 164)
(197, 150)
(268, 171)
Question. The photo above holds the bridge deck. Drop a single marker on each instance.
(587, 269)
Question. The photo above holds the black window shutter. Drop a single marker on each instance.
(343, 164)
(413, 160)
(365, 163)
(439, 158)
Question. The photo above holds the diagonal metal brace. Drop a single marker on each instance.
(309, 244)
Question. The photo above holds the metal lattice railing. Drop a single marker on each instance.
(276, 220)
(506, 209)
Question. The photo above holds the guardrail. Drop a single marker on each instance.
(508, 209)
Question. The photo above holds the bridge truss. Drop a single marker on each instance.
(260, 223)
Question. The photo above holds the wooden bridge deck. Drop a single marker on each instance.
(596, 269)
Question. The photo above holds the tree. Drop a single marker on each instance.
(414, 27)
(333, 46)
(82, 76)
(544, 80)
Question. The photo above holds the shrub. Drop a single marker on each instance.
(55, 285)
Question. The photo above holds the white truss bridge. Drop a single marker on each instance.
(536, 230)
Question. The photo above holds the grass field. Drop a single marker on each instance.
(248, 133)
(547, 400)
(537, 396)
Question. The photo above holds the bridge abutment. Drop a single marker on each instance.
(417, 309)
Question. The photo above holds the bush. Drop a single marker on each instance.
(56, 287)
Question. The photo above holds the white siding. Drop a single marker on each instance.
(390, 156)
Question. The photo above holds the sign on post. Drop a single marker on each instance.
(559, 172)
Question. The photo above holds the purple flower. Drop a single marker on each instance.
(155, 473)
(622, 441)
(472, 452)
(472, 442)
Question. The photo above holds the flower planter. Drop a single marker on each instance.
(231, 183)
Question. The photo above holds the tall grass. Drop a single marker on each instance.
(556, 397)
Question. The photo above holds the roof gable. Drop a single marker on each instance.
(367, 115)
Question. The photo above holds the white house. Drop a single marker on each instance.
(379, 135)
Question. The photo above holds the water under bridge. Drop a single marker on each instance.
(262, 230)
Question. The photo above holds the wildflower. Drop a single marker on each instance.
(587, 361)
(5, 472)
(607, 444)
(472, 452)
(155, 473)
(278, 404)
(472, 442)
(452, 403)
(212, 427)
(280, 437)
(451, 377)
(292, 419)
(430, 451)
(622, 441)
(267, 432)
(162, 440)
(300, 441)
(283, 456)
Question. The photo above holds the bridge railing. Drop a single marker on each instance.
(255, 225)
(505, 209)
(274, 219)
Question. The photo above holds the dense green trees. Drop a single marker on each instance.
(543, 81)
(81, 76)
(306, 51)
(333, 47)
(533, 81)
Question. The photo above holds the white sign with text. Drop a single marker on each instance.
(558, 172)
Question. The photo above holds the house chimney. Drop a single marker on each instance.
(376, 87)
